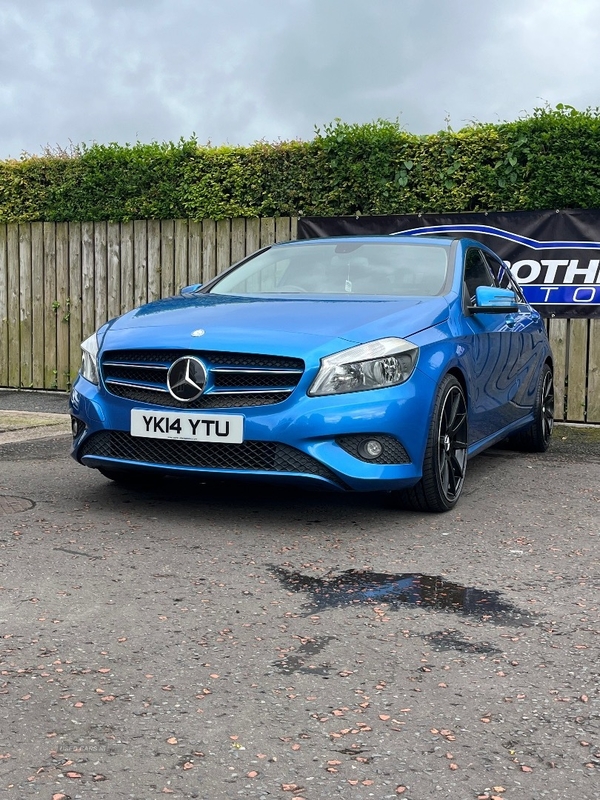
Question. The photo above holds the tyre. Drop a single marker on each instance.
(536, 437)
(445, 462)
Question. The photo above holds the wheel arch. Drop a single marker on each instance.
(460, 377)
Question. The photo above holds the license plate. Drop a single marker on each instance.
(188, 427)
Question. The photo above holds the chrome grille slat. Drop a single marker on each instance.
(251, 391)
(133, 365)
(149, 387)
(215, 358)
(258, 371)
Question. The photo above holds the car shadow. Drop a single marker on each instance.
(234, 500)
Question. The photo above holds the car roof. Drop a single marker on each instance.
(444, 241)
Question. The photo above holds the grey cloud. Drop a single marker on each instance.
(234, 71)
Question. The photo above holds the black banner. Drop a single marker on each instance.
(554, 255)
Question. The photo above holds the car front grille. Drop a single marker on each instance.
(235, 380)
(250, 456)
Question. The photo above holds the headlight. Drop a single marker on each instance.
(385, 362)
(89, 358)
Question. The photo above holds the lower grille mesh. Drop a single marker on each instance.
(248, 456)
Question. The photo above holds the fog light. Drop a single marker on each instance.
(76, 427)
(370, 449)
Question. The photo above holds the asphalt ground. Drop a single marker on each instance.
(34, 401)
(26, 415)
(208, 641)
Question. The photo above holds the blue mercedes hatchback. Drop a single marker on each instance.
(355, 364)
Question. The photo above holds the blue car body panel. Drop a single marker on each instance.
(496, 356)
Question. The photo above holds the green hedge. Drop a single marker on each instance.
(550, 159)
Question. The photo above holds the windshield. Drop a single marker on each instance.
(364, 268)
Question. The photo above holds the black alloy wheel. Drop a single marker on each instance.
(445, 463)
(452, 443)
(547, 407)
(536, 437)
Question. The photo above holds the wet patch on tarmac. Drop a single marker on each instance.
(450, 640)
(397, 591)
(300, 660)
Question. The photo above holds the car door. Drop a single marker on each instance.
(493, 344)
(527, 340)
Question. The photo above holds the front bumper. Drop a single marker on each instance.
(311, 441)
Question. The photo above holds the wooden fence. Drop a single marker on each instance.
(60, 281)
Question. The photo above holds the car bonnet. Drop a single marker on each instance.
(268, 324)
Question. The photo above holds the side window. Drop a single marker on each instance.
(477, 272)
(499, 272)
(503, 277)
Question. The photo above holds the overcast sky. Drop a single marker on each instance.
(237, 71)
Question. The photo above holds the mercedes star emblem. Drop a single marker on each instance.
(186, 379)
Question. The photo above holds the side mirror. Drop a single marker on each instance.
(191, 289)
(490, 300)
